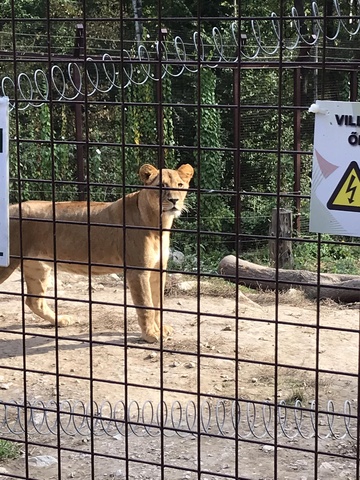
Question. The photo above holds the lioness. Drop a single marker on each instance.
(67, 241)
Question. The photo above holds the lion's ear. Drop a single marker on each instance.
(186, 172)
(146, 172)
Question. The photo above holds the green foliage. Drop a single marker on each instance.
(39, 158)
(9, 450)
(215, 212)
(335, 257)
(39, 9)
(171, 159)
(210, 212)
(141, 125)
(259, 253)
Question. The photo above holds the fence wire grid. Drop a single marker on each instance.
(259, 377)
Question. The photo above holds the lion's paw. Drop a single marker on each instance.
(153, 335)
(64, 320)
(167, 331)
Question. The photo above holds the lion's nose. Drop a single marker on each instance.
(173, 200)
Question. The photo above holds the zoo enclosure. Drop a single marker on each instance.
(57, 91)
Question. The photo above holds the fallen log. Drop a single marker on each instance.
(341, 287)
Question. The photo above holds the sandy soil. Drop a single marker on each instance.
(211, 352)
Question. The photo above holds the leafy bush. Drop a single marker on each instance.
(335, 257)
(9, 450)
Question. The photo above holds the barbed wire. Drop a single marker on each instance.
(105, 73)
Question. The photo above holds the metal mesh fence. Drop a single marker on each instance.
(129, 355)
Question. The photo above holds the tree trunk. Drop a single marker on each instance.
(137, 9)
(343, 288)
(281, 250)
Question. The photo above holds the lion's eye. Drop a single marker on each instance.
(164, 185)
(180, 185)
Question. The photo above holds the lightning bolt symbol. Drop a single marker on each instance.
(351, 189)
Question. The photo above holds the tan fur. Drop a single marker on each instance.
(71, 243)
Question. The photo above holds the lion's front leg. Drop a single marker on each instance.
(157, 293)
(140, 288)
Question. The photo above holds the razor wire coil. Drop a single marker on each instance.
(104, 73)
(236, 419)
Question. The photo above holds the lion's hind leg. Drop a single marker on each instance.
(5, 272)
(36, 274)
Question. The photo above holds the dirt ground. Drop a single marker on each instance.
(211, 359)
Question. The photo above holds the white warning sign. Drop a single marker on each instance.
(4, 181)
(335, 188)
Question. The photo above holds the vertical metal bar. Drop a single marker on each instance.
(22, 287)
(357, 464)
(123, 228)
(55, 266)
(237, 173)
(160, 141)
(297, 145)
(159, 98)
(354, 85)
(317, 360)
(80, 167)
(323, 67)
(85, 105)
(198, 231)
(278, 205)
(236, 120)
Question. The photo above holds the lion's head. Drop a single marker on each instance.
(174, 186)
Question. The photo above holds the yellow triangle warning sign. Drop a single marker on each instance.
(346, 195)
